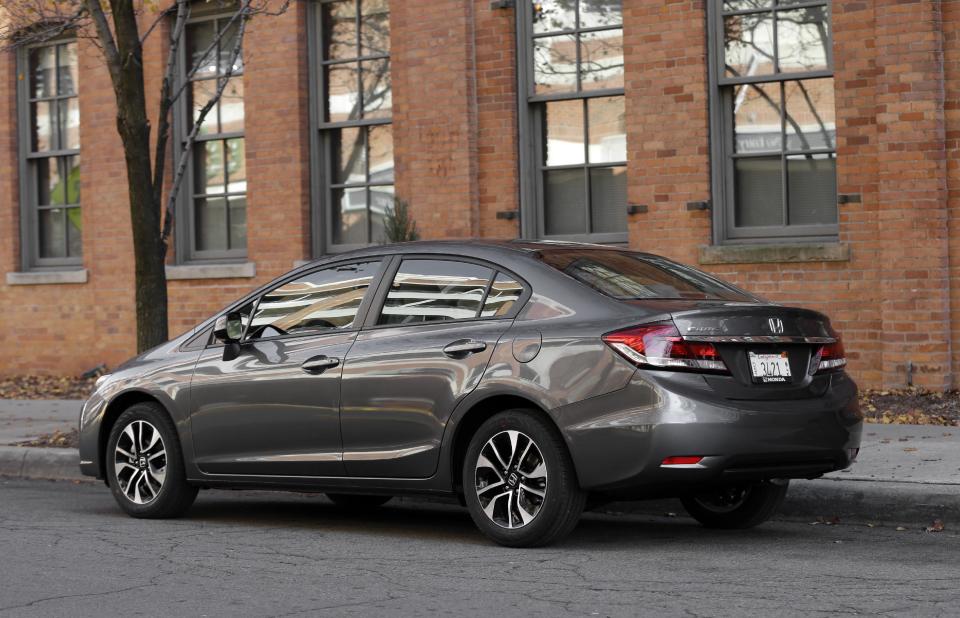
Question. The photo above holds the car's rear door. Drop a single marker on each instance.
(272, 408)
(419, 354)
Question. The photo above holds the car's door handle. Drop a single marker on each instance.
(319, 364)
(464, 347)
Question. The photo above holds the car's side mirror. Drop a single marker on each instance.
(228, 328)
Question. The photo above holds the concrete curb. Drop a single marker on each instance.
(19, 462)
(849, 500)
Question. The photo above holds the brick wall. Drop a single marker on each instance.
(897, 66)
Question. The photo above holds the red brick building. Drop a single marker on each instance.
(802, 149)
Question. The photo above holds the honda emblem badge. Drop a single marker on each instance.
(776, 326)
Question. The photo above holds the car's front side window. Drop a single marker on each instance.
(425, 290)
(323, 300)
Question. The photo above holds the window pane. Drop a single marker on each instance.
(211, 224)
(236, 165)
(374, 27)
(349, 215)
(377, 93)
(759, 196)
(43, 66)
(69, 124)
(504, 293)
(756, 118)
(564, 133)
(555, 64)
(608, 199)
(67, 73)
(200, 37)
(74, 236)
(748, 42)
(601, 60)
(231, 106)
(72, 167)
(745, 5)
(53, 232)
(351, 158)
(550, 15)
(380, 143)
(802, 39)
(381, 202)
(597, 13)
(339, 30)
(42, 126)
(208, 167)
(321, 301)
(564, 207)
(228, 43)
(435, 291)
(608, 130)
(811, 114)
(201, 93)
(343, 100)
(50, 188)
(812, 189)
(238, 221)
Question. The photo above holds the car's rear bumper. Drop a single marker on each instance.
(619, 441)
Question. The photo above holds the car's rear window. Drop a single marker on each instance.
(632, 276)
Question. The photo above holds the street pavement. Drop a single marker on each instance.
(66, 550)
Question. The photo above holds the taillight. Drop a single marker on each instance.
(829, 357)
(661, 346)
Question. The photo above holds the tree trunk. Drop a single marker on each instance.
(134, 129)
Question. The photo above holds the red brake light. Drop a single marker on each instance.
(660, 345)
(831, 356)
(681, 460)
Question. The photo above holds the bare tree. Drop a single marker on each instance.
(119, 29)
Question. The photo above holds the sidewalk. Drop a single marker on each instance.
(905, 474)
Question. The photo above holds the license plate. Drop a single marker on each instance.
(769, 368)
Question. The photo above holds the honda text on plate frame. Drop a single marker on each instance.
(522, 378)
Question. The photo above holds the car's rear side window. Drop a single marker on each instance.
(425, 290)
(319, 301)
(504, 293)
(628, 276)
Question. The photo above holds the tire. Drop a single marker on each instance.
(358, 501)
(145, 483)
(519, 516)
(756, 504)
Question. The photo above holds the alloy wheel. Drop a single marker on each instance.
(140, 462)
(511, 479)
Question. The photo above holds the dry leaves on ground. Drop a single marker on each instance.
(57, 439)
(913, 406)
(45, 387)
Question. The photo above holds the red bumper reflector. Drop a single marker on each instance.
(681, 461)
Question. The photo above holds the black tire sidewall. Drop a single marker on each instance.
(563, 492)
(175, 490)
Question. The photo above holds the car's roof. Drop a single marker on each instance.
(467, 246)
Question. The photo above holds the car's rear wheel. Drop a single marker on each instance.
(736, 506)
(358, 501)
(519, 482)
(144, 464)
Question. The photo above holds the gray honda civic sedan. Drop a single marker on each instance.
(528, 380)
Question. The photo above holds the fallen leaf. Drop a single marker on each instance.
(909, 449)
(936, 526)
(900, 528)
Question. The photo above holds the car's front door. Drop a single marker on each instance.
(426, 350)
(272, 407)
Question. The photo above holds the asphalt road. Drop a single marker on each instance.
(65, 550)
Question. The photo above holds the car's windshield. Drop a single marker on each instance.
(631, 276)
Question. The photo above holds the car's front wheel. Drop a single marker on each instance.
(144, 463)
(519, 482)
(736, 506)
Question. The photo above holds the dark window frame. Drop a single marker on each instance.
(532, 116)
(29, 207)
(723, 157)
(322, 141)
(185, 249)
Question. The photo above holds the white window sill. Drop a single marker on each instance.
(243, 270)
(47, 277)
